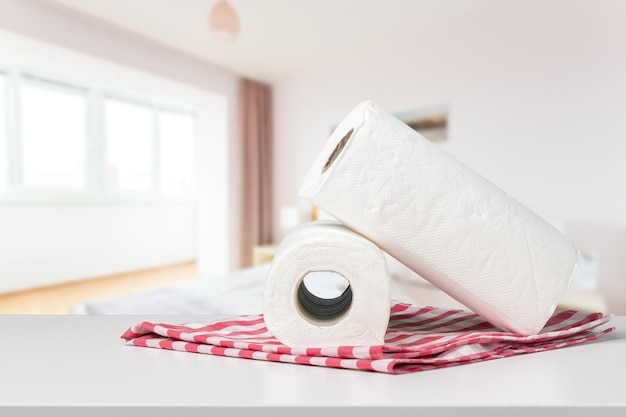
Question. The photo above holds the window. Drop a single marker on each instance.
(59, 140)
(3, 136)
(53, 131)
(129, 138)
(176, 138)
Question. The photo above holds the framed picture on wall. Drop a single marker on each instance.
(431, 121)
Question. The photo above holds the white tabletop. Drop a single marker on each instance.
(81, 361)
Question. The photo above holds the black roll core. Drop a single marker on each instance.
(323, 308)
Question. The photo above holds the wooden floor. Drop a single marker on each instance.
(59, 299)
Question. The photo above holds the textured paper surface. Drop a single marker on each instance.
(327, 245)
(442, 219)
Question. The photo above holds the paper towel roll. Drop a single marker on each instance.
(442, 219)
(358, 317)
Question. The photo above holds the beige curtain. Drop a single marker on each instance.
(257, 149)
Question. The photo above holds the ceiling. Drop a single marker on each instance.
(278, 38)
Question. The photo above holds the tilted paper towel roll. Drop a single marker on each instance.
(358, 317)
(442, 219)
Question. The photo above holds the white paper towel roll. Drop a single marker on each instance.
(442, 219)
(293, 316)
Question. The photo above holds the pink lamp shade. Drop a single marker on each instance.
(223, 21)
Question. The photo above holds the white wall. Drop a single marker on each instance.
(537, 92)
(52, 243)
(205, 229)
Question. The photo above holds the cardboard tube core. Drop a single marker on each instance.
(338, 149)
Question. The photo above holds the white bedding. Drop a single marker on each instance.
(241, 292)
(601, 267)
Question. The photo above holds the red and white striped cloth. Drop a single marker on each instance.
(418, 338)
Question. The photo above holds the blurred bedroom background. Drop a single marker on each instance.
(148, 144)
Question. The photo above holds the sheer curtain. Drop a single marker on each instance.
(257, 149)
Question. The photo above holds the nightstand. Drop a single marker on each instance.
(262, 254)
(591, 302)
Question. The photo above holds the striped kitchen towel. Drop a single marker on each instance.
(417, 339)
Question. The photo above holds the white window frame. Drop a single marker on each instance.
(13, 149)
(159, 109)
(4, 73)
(95, 188)
(24, 79)
(107, 188)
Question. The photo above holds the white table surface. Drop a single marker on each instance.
(80, 361)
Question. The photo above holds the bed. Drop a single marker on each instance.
(598, 285)
(241, 292)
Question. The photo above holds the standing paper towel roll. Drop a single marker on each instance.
(442, 219)
(358, 317)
